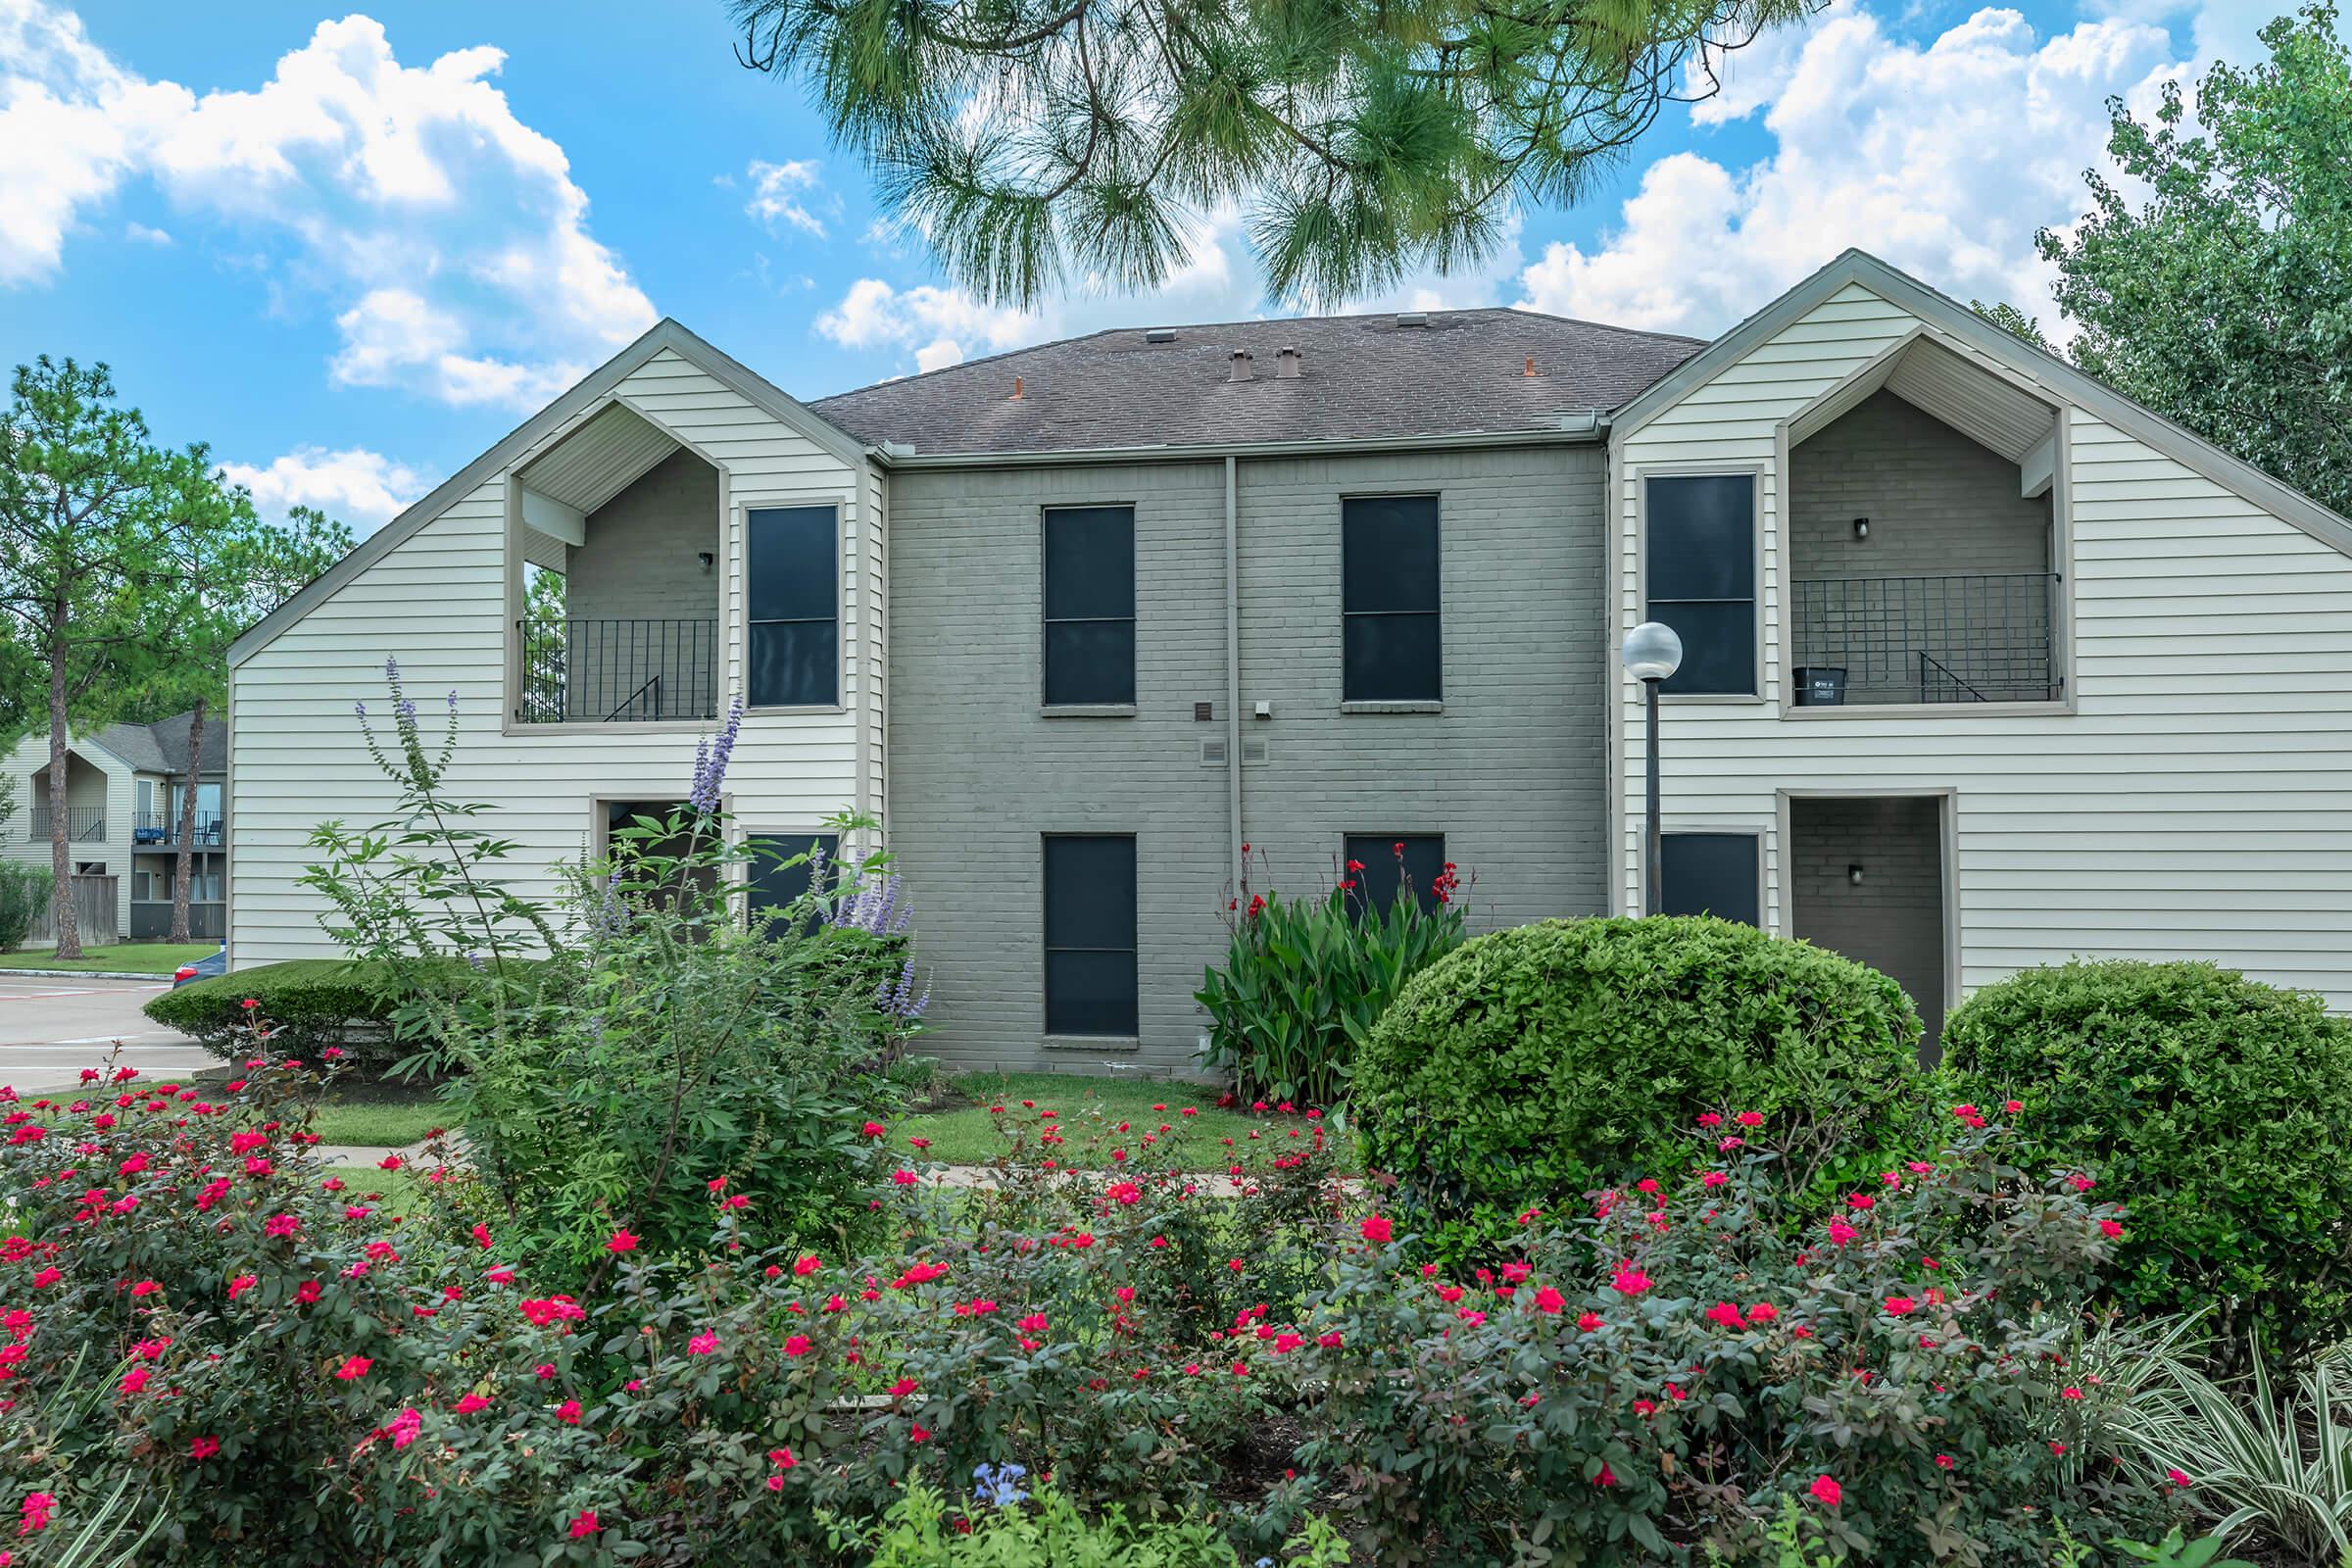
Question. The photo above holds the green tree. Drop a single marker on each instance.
(97, 526)
(2224, 300)
(236, 569)
(1030, 141)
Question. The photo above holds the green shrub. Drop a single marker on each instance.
(2218, 1107)
(1010, 1527)
(1305, 982)
(1531, 1064)
(23, 894)
(318, 1004)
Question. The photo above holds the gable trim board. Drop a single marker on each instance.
(2052, 375)
(585, 397)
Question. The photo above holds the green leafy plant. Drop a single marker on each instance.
(1531, 1064)
(317, 1003)
(1007, 1527)
(2177, 1550)
(1304, 981)
(24, 894)
(2256, 1462)
(2221, 1102)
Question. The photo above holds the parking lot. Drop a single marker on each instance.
(52, 1029)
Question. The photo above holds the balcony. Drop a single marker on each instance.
(84, 824)
(149, 828)
(1955, 639)
(617, 672)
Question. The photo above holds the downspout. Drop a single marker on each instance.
(1233, 672)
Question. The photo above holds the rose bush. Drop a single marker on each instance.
(294, 1371)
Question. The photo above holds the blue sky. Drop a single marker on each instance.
(352, 249)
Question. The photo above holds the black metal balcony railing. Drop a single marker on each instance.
(84, 824)
(162, 827)
(1963, 639)
(617, 672)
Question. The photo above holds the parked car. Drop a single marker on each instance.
(203, 968)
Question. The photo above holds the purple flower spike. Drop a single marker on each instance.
(710, 763)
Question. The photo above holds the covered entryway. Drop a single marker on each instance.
(1868, 878)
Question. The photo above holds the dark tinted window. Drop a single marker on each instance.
(1700, 565)
(775, 885)
(792, 606)
(1422, 863)
(1710, 873)
(1090, 605)
(1391, 646)
(1090, 936)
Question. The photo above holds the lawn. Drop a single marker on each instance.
(137, 958)
(966, 1134)
(376, 1122)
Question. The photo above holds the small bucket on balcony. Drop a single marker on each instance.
(1820, 686)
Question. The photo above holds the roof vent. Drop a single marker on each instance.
(1286, 363)
(1531, 367)
(1016, 386)
(1412, 317)
(1159, 334)
(1241, 366)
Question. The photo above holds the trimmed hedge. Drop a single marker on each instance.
(1531, 1065)
(317, 1001)
(2217, 1108)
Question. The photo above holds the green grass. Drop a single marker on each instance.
(396, 1192)
(140, 957)
(392, 1122)
(968, 1135)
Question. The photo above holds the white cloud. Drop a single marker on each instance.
(144, 235)
(401, 196)
(362, 488)
(784, 193)
(1942, 158)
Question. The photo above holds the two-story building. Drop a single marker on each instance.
(1984, 665)
(125, 787)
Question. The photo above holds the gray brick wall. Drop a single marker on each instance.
(1937, 503)
(641, 564)
(1894, 921)
(1511, 772)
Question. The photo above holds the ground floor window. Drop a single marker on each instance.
(1391, 861)
(1090, 930)
(1712, 873)
(775, 884)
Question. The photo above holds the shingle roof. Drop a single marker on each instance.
(163, 746)
(1362, 377)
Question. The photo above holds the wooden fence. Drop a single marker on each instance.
(96, 901)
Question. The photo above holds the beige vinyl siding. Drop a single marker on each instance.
(2197, 802)
(438, 602)
(108, 784)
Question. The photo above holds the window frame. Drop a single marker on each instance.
(747, 511)
(1754, 473)
(1046, 620)
(1437, 697)
(1047, 948)
(748, 835)
(1357, 905)
(1721, 830)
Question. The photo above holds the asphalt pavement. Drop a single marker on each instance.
(52, 1029)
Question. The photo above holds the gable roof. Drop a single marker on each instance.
(581, 398)
(1360, 377)
(163, 746)
(1956, 320)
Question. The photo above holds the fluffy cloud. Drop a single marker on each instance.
(785, 193)
(406, 198)
(363, 489)
(1944, 158)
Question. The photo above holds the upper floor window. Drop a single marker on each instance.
(792, 606)
(1090, 605)
(1391, 649)
(1699, 577)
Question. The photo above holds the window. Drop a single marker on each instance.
(793, 606)
(1090, 936)
(1090, 605)
(204, 886)
(149, 887)
(775, 885)
(1699, 568)
(1422, 862)
(1710, 873)
(1391, 650)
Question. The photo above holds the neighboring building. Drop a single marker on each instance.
(123, 789)
(1986, 666)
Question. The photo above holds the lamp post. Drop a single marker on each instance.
(1652, 652)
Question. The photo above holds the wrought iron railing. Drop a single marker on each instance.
(84, 824)
(1985, 638)
(162, 827)
(617, 672)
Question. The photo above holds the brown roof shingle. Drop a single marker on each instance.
(1362, 377)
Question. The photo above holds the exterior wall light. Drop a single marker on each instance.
(1853, 874)
(1861, 527)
